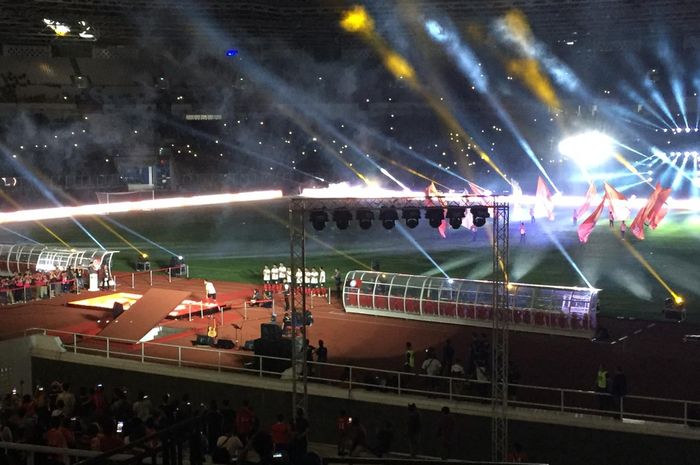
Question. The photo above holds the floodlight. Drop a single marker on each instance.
(479, 214)
(231, 53)
(318, 219)
(455, 215)
(388, 217)
(412, 217)
(364, 217)
(588, 149)
(342, 217)
(435, 216)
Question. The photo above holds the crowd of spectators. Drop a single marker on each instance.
(98, 420)
(38, 285)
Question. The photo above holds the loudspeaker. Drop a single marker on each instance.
(270, 331)
(117, 309)
(225, 344)
(203, 340)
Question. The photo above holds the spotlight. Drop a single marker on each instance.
(479, 214)
(588, 149)
(318, 219)
(231, 53)
(388, 217)
(342, 217)
(412, 217)
(364, 217)
(455, 215)
(435, 216)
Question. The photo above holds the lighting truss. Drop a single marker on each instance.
(344, 210)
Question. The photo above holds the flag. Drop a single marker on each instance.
(590, 195)
(478, 190)
(637, 226)
(617, 202)
(658, 211)
(432, 192)
(544, 198)
(586, 227)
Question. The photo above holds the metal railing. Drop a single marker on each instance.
(131, 277)
(350, 378)
(32, 452)
(16, 295)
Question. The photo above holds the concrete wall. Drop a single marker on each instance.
(547, 443)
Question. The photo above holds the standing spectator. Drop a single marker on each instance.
(518, 455)
(209, 289)
(338, 283)
(448, 355)
(228, 446)
(245, 421)
(55, 438)
(142, 407)
(623, 229)
(432, 368)
(384, 439)
(409, 363)
(213, 424)
(321, 356)
(445, 433)
(601, 387)
(68, 400)
(413, 427)
(300, 437)
(281, 434)
(342, 426)
(522, 232)
(619, 388)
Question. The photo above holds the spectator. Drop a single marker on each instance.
(338, 283)
(448, 355)
(445, 433)
(432, 368)
(413, 429)
(619, 389)
(55, 438)
(342, 426)
(298, 447)
(281, 434)
(142, 407)
(245, 421)
(518, 455)
(68, 400)
(601, 387)
(228, 446)
(213, 424)
(409, 363)
(358, 439)
(258, 450)
(384, 439)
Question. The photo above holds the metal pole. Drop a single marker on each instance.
(298, 305)
(150, 275)
(132, 281)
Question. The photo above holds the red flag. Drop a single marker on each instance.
(658, 211)
(544, 198)
(617, 202)
(478, 190)
(433, 192)
(590, 195)
(586, 227)
(637, 226)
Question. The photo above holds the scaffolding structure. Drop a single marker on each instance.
(372, 208)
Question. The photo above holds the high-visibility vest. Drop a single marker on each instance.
(602, 379)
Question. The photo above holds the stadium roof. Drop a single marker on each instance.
(122, 22)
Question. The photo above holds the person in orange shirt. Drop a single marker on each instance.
(342, 425)
(281, 434)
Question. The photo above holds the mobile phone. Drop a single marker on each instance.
(120, 426)
(14, 391)
(277, 455)
(350, 420)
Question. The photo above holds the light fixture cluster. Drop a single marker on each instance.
(390, 215)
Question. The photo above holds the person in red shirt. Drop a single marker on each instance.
(55, 438)
(342, 425)
(245, 422)
(281, 434)
(518, 455)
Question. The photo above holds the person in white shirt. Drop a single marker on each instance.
(282, 273)
(275, 274)
(431, 367)
(307, 276)
(266, 276)
(322, 280)
(314, 281)
(210, 289)
(299, 276)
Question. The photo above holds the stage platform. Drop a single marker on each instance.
(186, 308)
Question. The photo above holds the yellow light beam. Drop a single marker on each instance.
(635, 253)
(631, 168)
(42, 225)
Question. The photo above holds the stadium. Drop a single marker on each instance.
(349, 232)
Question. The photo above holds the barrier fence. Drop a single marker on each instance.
(349, 378)
(16, 295)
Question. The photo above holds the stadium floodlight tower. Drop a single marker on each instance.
(342, 210)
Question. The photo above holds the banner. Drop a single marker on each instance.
(617, 203)
(590, 195)
(658, 211)
(543, 199)
(586, 227)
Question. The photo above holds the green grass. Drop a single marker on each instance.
(234, 242)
